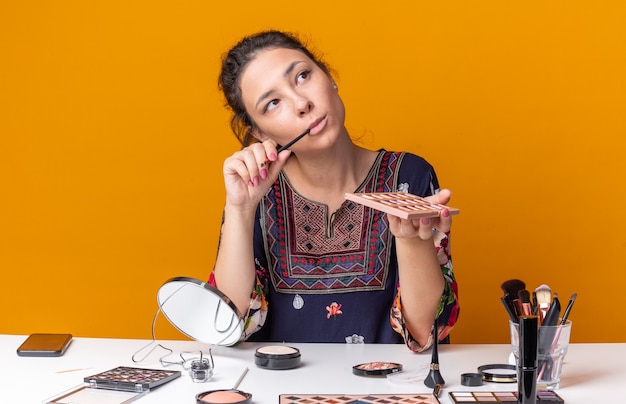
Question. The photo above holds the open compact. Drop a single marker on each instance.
(277, 357)
(229, 396)
(376, 369)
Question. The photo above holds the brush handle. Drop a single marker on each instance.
(552, 316)
(300, 136)
(546, 335)
(509, 309)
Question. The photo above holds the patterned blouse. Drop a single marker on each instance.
(333, 276)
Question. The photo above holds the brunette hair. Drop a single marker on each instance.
(235, 62)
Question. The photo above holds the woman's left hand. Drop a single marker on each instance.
(423, 228)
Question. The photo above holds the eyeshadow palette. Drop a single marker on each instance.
(473, 397)
(131, 378)
(357, 399)
(401, 204)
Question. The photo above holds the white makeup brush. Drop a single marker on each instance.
(544, 300)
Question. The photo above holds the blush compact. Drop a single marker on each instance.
(376, 369)
(277, 357)
(227, 396)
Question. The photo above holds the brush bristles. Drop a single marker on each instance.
(512, 287)
(544, 300)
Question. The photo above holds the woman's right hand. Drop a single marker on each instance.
(249, 173)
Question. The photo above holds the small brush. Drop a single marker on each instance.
(544, 300)
(524, 297)
(288, 145)
(568, 308)
(300, 136)
(436, 392)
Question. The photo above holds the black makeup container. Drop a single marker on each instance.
(527, 367)
(277, 357)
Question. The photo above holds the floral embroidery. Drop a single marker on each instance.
(333, 310)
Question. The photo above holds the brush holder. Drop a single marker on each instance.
(552, 346)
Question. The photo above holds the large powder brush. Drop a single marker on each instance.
(434, 377)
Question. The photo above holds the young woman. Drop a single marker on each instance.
(298, 260)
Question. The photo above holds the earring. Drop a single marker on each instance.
(334, 86)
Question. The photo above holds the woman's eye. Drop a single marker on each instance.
(271, 105)
(303, 75)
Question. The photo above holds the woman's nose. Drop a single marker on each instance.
(303, 105)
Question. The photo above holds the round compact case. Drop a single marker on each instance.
(277, 357)
(376, 369)
(227, 396)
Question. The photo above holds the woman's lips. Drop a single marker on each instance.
(317, 126)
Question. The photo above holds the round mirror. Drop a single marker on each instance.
(200, 311)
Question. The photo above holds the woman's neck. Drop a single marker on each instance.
(326, 177)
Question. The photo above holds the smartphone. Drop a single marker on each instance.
(45, 345)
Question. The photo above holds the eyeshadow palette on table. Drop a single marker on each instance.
(477, 397)
(122, 384)
(357, 399)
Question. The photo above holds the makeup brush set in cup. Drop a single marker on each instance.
(553, 327)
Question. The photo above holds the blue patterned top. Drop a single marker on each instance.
(332, 276)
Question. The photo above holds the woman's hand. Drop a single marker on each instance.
(423, 228)
(249, 173)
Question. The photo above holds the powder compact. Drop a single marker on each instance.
(376, 369)
(277, 357)
(499, 373)
(227, 396)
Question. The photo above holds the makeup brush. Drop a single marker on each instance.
(568, 308)
(510, 310)
(436, 392)
(524, 297)
(544, 299)
(288, 145)
(300, 136)
(546, 337)
(563, 321)
(552, 316)
(512, 288)
(434, 377)
(557, 334)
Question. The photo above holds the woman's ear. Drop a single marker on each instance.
(258, 135)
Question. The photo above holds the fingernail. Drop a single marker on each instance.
(264, 173)
(425, 220)
(273, 156)
(445, 213)
(255, 180)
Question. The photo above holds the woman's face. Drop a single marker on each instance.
(285, 93)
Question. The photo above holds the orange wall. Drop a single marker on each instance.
(112, 136)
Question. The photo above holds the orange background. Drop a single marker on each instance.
(113, 133)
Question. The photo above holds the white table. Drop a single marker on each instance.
(592, 373)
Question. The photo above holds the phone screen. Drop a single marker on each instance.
(45, 345)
